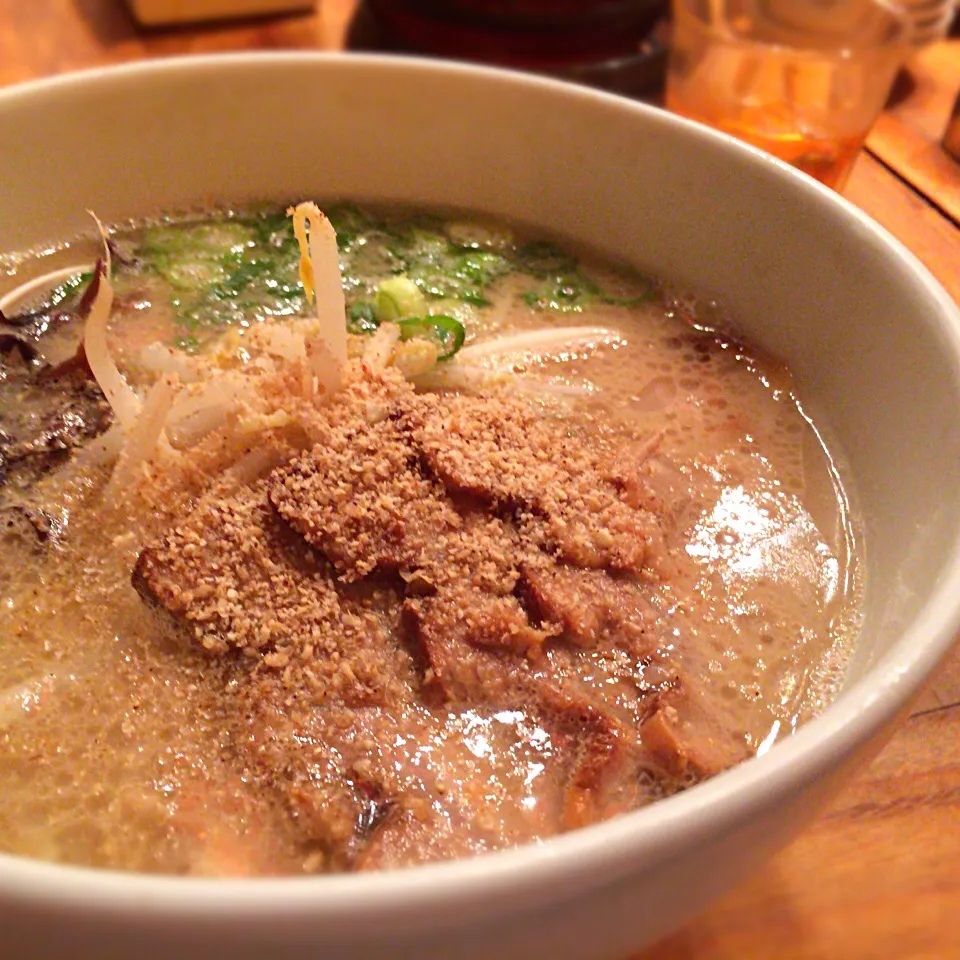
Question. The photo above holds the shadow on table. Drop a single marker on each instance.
(110, 23)
(757, 914)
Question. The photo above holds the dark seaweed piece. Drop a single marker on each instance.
(92, 289)
(12, 341)
(44, 312)
(34, 324)
(60, 306)
(19, 523)
(122, 252)
(25, 465)
(40, 433)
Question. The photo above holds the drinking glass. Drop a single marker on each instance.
(803, 79)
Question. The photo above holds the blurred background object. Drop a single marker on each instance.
(951, 139)
(802, 79)
(153, 13)
(613, 44)
(930, 19)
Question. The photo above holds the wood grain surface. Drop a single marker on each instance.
(908, 137)
(878, 875)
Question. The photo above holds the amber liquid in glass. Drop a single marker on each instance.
(825, 158)
(802, 79)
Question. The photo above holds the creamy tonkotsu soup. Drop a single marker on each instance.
(491, 542)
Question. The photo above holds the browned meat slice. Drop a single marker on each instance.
(482, 554)
(590, 606)
(324, 804)
(237, 578)
(390, 839)
(509, 456)
(483, 449)
(591, 527)
(686, 738)
(231, 570)
(410, 833)
(288, 750)
(457, 634)
(495, 622)
(358, 497)
(628, 470)
(462, 669)
(602, 755)
(372, 788)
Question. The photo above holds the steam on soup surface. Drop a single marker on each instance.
(547, 544)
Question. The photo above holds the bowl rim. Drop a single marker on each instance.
(587, 858)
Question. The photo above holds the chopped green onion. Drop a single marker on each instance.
(472, 235)
(221, 272)
(188, 344)
(460, 310)
(62, 291)
(192, 275)
(480, 266)
(628, 301)
(350, 224)
(197, 240)
(446, 332)
(399, 297)
(564, 293)
(541, 258)
(362, 318)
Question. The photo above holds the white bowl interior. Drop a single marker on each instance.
(871, 338)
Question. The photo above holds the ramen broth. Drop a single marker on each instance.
(125, 744)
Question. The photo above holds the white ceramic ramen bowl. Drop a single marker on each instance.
(873, 340)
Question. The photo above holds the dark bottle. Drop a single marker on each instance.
(607, 43)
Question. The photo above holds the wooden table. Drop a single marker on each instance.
(878, 876)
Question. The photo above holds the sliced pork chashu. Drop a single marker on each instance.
(387, 586)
